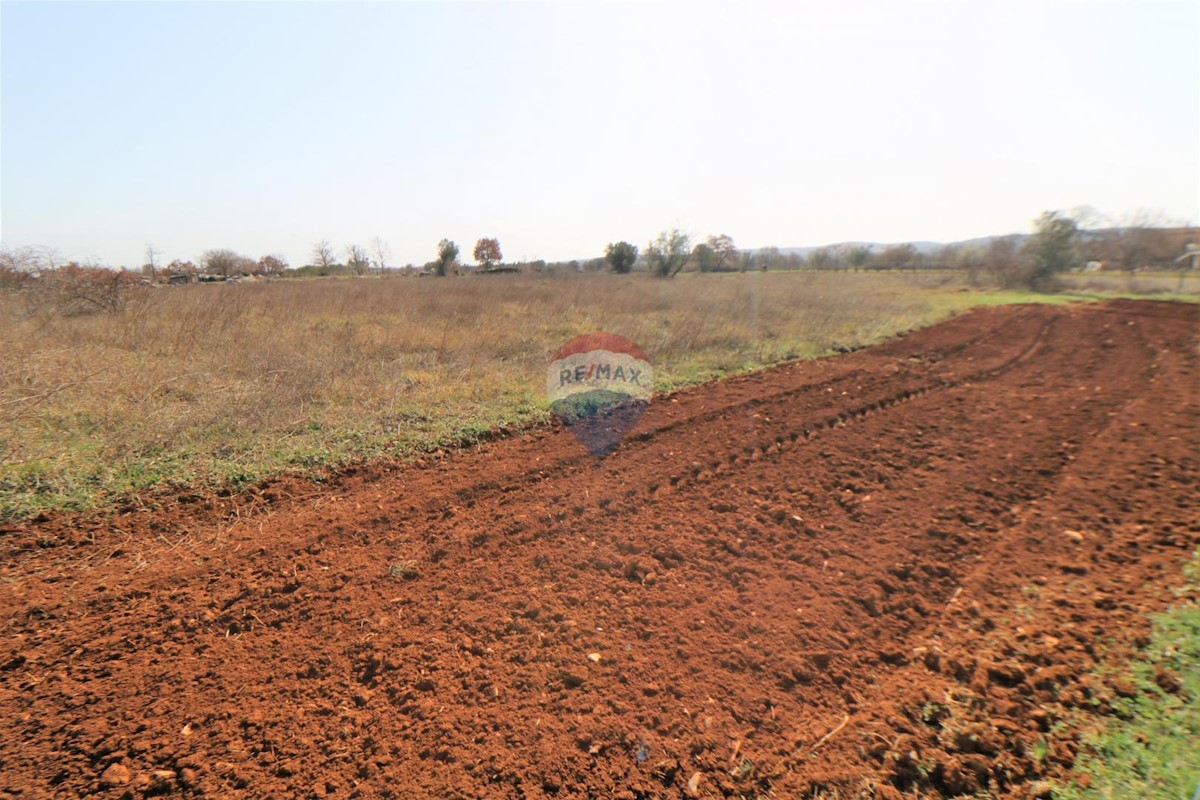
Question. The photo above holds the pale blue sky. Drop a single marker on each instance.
(560, 127)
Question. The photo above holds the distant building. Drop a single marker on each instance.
(1191, 254)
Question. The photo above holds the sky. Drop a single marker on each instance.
(560, 127)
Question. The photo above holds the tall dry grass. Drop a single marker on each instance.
(224, 383)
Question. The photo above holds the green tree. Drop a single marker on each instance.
(1052, 248)
(669, 252)
(704, 257)
(447, 253)
(621, 256)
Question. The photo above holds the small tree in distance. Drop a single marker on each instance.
(182, 267)
(487, 252)
(1051, 248)
(447, 252)
(272, 265)
(1003, 260)
(621, 256)
(669, 252)
(357, 259)
(323, 255)
(859, 256)
(381, 251)
(899, 256)
(151, 266)
(1137, 242)
(223, 262)
(724, 252)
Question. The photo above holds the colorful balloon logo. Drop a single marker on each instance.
(599, 386)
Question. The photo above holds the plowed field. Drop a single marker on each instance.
(886, 572)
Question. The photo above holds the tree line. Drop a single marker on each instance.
(1059, 241)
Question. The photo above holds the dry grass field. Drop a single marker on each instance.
(210, 385)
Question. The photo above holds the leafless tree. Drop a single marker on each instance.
(382, 253)
(225, 262)
(357, 259)
(1137, 242)
(1004, 261)
(323, 255)
(272, 265)
(151, 266)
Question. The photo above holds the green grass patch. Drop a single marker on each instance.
(1151, 750)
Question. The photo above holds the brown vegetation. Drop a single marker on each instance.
(210, 383)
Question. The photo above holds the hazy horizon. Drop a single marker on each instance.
(558, 128)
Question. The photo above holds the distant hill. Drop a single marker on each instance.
(922, 246)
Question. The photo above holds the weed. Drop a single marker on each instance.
(933, 713)
(1149, 751)
(1041, 749)
(404, 570)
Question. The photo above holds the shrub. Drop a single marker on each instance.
(77, 289)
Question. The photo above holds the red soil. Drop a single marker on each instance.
(886, 571)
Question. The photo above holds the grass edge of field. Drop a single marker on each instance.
(145, 483)
(1142, 750)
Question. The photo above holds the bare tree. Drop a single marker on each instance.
(971, 259)
(272, 265)
(382, 253)
(22, 265)
(223, 262)
(151, 266)
(1004, 260)
(357, 259)
(1137, 242)
(323, 255)
(30, 260)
